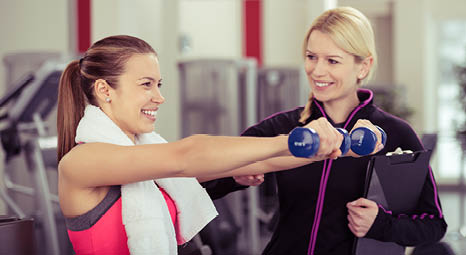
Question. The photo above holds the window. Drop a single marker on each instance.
(451, 52)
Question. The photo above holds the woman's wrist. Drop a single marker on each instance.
(283, 143)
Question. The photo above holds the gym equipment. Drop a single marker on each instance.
(304, 142)
(22, 129)
(280, 89)
(17, 236)
(219, 97)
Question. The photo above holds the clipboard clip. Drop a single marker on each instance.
(399, 151)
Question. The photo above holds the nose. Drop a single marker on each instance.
(320, 68)
(157, 96)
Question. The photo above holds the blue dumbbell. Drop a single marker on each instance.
(363, 140)
(384, 135)
(304, 142)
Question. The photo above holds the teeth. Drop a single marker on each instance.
(151, 113)
(322, 84)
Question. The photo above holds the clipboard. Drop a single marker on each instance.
(396, 183)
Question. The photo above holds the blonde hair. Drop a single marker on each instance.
(352, 32)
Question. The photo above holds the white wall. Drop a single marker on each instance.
(155, 21)
(384, 44)
(284, 26)
(141, 18)
(212, 28)
(409, 58)
(32, 26)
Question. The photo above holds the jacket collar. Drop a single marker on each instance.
(365, 101)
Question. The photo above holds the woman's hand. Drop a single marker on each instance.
(366, 123)
(330, 139)
(361, 216)
(249, 180)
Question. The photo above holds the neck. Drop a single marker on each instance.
(339, 110)
(132, 137)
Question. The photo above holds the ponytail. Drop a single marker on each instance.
(71, 104)
(306, 113)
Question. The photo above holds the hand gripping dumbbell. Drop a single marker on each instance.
(304, 142)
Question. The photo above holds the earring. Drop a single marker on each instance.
(108, 100)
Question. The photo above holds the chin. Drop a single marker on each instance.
(320, 97)
(143, 130)
(148, 130)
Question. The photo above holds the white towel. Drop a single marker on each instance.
(144, 211)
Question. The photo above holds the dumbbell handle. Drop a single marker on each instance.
(305, 142)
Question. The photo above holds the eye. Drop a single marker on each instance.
(147, 84)
(159, 84)
(310, 56)
(332, 61)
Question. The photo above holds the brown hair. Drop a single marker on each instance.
(351, 31)
(106, 60)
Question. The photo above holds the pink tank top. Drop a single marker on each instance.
(108, 235)
(171, 207)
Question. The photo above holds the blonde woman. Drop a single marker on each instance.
(321, 209)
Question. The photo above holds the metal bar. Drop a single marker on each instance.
(27, 190)
(36, 166)
(11, 204)
(253, 192)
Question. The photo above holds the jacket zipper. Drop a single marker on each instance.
(324, 178)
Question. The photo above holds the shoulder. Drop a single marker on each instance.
(275, 124)
(398, 130)
(389, 121)
(80, 155)
(66, 162)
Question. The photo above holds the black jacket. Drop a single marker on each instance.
(312, 198)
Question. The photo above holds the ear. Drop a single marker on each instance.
(366, 66)
(102, 91)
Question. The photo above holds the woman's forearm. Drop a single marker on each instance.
(264, 166)
(212, 155)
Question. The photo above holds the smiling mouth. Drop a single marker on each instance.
(150, 113)
(322, 84)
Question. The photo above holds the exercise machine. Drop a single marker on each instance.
(23, 131)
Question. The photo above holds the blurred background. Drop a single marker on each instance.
(225, 64)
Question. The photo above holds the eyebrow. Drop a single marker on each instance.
(329, 56)
(149, 78)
